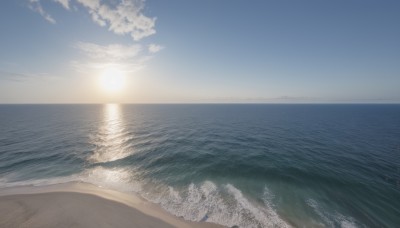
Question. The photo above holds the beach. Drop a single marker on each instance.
(82, 205)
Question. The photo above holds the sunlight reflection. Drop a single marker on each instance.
(112, 139)
(112, 121)
(117, 178)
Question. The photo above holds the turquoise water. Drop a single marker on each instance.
(244, 165)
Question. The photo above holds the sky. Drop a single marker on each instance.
(209, 51)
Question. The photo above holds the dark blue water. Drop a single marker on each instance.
(245, 165)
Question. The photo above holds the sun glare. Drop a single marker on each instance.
(112, 80)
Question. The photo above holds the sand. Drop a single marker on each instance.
(82, 205)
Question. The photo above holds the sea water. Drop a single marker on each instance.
(244, 165)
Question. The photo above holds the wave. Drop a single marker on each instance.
(330, 219)
(203, 202)
(225, 205)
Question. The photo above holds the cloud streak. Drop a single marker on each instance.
(112, 52)
(127, 58)
(64, 3)
(37, 7)
(18, 77)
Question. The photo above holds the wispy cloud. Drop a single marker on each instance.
(10, 76)
(37, 7)
(128, 58)
(18, 77)
(153, 48)
(121, 16)
(112, 52)
(64, 3)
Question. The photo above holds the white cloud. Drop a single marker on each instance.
(153, 48)
(96, 18)
(37, 7)
(64, 3)
(120, 16)
(91, 4)
(125, 17)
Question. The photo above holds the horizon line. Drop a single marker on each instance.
(214, 103)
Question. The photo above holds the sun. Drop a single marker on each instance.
(112, 80)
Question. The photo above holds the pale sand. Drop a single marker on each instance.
(82, 205)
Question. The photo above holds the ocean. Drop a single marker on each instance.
(249, 165)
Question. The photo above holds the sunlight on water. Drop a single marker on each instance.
(112, 120)
(112, 139)
(115, 178)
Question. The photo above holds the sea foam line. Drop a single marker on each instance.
(331, 219)
(207, 202)
(225, 205)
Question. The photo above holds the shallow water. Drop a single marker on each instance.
(245, 165)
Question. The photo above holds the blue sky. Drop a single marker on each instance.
(55, 51)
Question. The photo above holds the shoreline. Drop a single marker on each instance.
(78, 204)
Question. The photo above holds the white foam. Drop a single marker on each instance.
(205, 202)
(262, 216)
(118, 179)
(345, 221)
(268, 196)
(5, 183)
(330, 219)
(192, 204)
